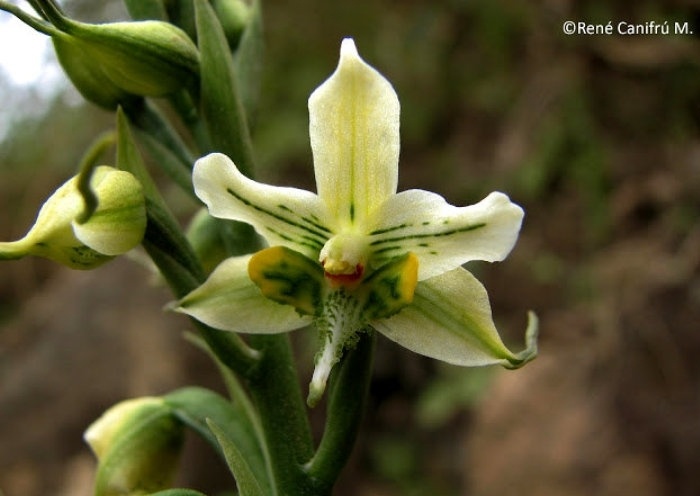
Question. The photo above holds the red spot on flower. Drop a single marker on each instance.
(348, 280)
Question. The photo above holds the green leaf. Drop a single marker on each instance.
(248, 61)
(164, 238)
(198, 407)
(246, 480)
(220, 101)
(150, 122)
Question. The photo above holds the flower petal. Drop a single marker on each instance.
(229, 301)
(290, 217)
(450, 319)
(354, 128)
(287, 277)
(441, 235)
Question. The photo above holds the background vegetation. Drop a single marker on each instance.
(597, 137)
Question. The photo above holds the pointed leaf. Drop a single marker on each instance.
(246, 480)
(164, 238)
(220, 101)
(196, 407)
(248, 61)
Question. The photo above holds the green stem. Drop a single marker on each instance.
(29, 20)
(346, 405)
(36, 5)
(228, 347)
(187, 110)
(148, 119)
(277, 396)
(55, 15)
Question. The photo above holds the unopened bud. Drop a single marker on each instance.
(115, 227)
(137, 443)
(205, 238)
(145, 58)
(88, 76)
(233, 16)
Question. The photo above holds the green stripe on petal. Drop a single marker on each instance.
(354, 130)
(450, 320)
(288, 277)
(228, 300)
(441, 235)
(289, 217)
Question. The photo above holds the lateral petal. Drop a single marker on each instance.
(354, 130)
(441, 235)
(289, 217)
(450, 320)
(230, 301)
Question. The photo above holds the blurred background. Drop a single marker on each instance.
(597, 137)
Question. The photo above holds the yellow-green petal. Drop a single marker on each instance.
(354, 130)
(228, 300)
(450, 320)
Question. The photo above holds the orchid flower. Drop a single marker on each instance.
(357, 255)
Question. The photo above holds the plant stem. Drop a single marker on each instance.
(277, 396)
(347, 400)
(29, 20)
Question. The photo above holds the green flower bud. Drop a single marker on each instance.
(146, 58)
(117, 225)
(233, 16)
(137, 443)
(205, 238)
(88, 76)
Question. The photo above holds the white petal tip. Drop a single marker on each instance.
(348, 48)
(317, 388)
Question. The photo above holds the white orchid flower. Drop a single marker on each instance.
(357, 254)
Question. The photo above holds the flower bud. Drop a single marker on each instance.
(205, 238)
(115, 227)
(137, 443)
(233, 16)
(146, 58)
(87, 75)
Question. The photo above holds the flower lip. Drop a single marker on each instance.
(343, 274)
